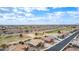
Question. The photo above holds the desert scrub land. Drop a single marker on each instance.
(46, 35)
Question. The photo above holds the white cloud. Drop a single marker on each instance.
(18, 10)
(41, 8)
(4, 9)
(30, 9)
(29, 15)
(51, 18)
(59, 15)
(27, 12)
(9, 16)
(1, 16)
(35, 18)
(74, 14)
(23, 15)
(55, 15)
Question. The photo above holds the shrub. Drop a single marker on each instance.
(37, 37)
(21, 35)
(59, 31)
(21, 42)
(4, 46)
(36, 34)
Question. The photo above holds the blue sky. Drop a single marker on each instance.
(38, 15)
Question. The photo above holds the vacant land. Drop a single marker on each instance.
(12, 35)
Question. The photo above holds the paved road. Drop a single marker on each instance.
(63, 43)
(2, 49)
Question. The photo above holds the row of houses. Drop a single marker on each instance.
(9, 29)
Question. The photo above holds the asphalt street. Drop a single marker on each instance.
(63, 43)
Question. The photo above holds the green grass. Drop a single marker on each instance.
(62, 29)
(7, 39)
(53, 31)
